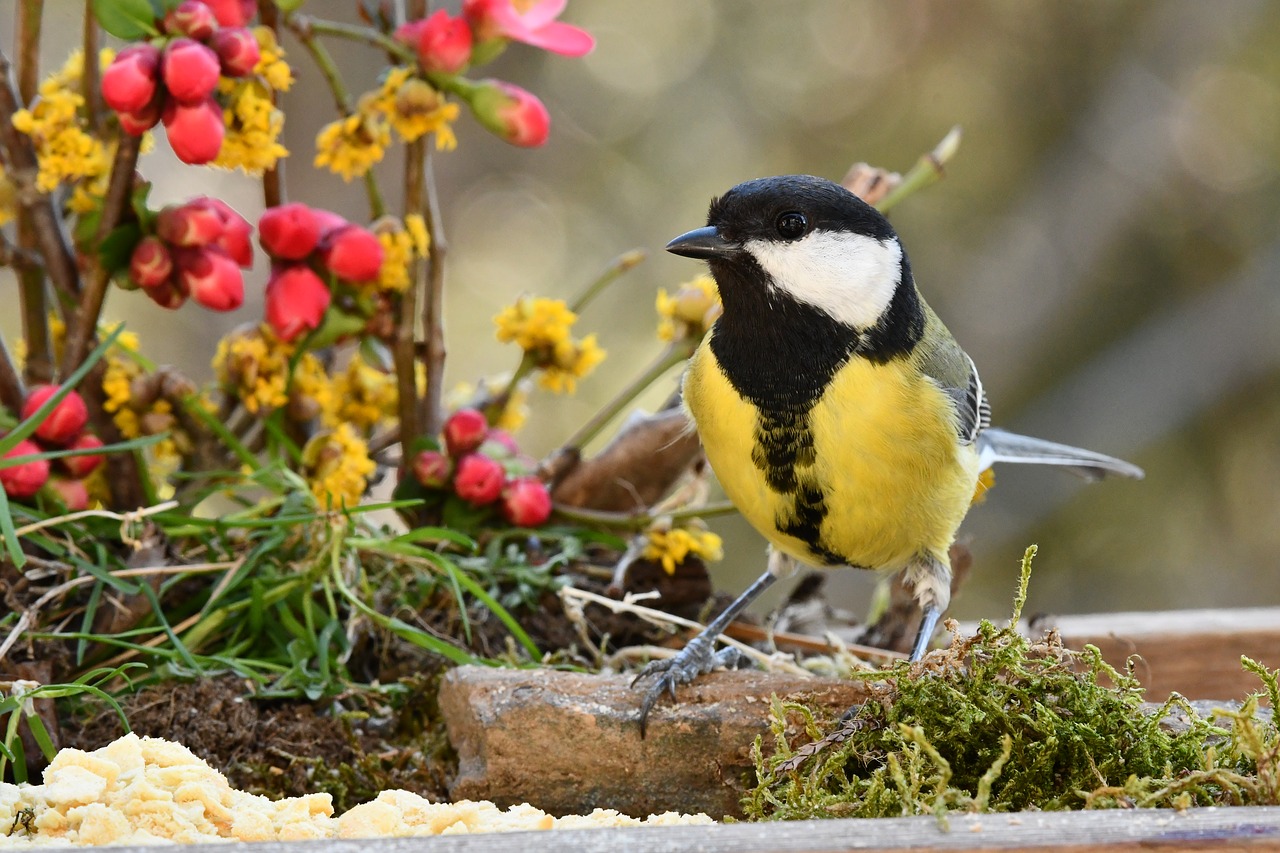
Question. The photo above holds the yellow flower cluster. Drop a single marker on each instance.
(365, 395)
(401, 243)
(64, 150)
(338, 467)
(671, 546)
(351, 146)
(690, 311)
(252, 141)
(134, 417)
(541, 328)
(413, 107)
(253, 365)
(253, 122)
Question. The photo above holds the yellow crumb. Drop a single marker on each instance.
(141, 790)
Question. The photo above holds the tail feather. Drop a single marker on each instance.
(997, 445)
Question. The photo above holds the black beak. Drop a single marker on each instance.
(702, 243)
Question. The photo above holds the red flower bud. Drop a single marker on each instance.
(195, 130)
(432, 468)
(130, 80)
(189, 224)
(191, 18)
(237, 50)
(232, 13)
(296, 300)
(526, 502)
(168, 295)
(464, 431)
(150, 263)
(236, 235)
(140, 121)
(511, 113)
(23, 481)
(478, 480)
(65, 422)
(190, 70)
(352, 253)
(289, 231)
(83, 466)
(329, 222)
(443, 43)
(71, 492)
(211, 278)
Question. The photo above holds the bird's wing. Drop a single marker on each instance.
(943, 361)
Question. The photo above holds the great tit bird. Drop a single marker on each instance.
(838, 413)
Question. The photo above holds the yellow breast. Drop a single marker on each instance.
(878, 477)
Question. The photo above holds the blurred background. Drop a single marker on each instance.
(1104, 245)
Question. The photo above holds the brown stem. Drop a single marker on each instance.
(273, 178)
(431, 411)
(89, 85)
(124, 478)
(35, 206)
(12, 393)
(84, 326)
(31, 287)
(403, 350)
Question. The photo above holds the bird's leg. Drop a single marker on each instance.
(931, 579)
(699, 655)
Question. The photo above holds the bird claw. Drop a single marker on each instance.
(695, 659)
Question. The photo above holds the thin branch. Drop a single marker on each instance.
(84, 326)
(615, 270)
(12, 392)
(631, 521)
(431, 412)
(89, 81)
(36, 207)
(29, 23)
(352, 32)
(676, 352)
(273, 178)
(403, 349)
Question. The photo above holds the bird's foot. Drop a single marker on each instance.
(698, 657)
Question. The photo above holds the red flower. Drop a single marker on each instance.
(167, 295)
(232, 13)
(352, 253)
(190, 70)
(140, 121)
(296, 300)
(289, 231)
(65, 422)
(478, 480)
(511, 113)
(432, 468)
(83, 466)
(211, 278)
(73, 493)
(23, 481)
(236, 230)
(536, 26)
(150, 263)
(237, 50)
(443, 43)
(130, 80)
(464, 431)
(195, 130)
(189, 224)
(191, 18)
(526, 502)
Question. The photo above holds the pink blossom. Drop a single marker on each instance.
(536, 26)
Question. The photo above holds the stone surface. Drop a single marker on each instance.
(569, 742)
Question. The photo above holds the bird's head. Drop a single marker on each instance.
(805, 238)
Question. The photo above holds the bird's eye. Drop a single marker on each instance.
(791, 225)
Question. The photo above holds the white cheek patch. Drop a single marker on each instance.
(850, 276)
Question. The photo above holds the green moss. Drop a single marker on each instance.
(1000, 723)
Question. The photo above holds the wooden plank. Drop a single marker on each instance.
(1150, 831)
(1193, 652)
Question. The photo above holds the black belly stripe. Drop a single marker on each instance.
(784, 455)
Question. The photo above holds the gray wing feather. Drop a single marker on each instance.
(998, 445)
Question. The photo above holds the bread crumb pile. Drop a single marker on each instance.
(142, 790)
